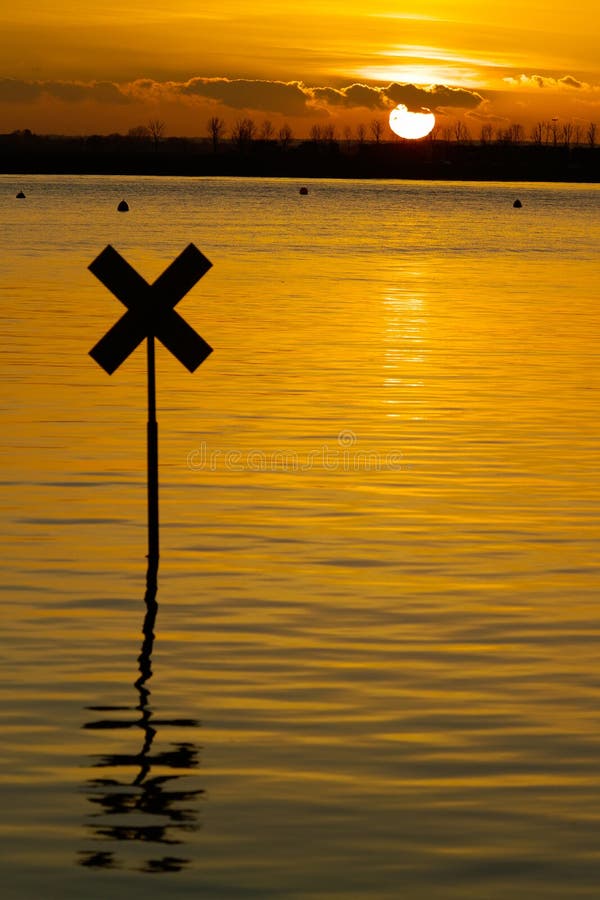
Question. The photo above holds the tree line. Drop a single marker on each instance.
(549, 132)
(551, 152)
(246, 131)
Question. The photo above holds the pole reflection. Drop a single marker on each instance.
(148, 808)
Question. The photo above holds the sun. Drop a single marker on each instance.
(411, 125)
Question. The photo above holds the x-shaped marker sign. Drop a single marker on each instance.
(150, 308)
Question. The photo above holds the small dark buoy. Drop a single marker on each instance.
(20, 195)
(517, 204)
(123, 206)
(304, 190)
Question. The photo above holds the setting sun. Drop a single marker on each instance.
(411, 125)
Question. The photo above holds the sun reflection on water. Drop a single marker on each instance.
(404, 336)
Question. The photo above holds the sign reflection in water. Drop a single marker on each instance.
(142, 807)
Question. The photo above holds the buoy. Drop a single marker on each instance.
(304, 190)
(123, 206)
(20, 195)
(517, 204)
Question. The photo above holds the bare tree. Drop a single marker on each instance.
(361, 133)
(216, 130)
(577, 134)
(139, 133)
(537, 133)
(377, 130)
(591, 134)
(566, 134)
(243, 133)
(315, 134)
(328, 133)
(347, 134)
(547, 129)
(156, 129)
(485, 136)
(554, 130)
(285, 135)
(517, 134)
(266, 130)
(461, 133)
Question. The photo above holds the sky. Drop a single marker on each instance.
(72, 68)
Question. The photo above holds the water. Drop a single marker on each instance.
(375, 663)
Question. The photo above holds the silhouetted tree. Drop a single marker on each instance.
(361, 133)
(243, 133)
(139, 133)
(517, 134)
(156, 129)
(285, 136)
(266, 130)
(591, 134)
(315, 134)
(566, 134)
(486, 133)
(216, 129)
(537, 133)
(377, 130)
(461, 133)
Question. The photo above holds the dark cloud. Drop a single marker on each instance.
(15, 91)
(291, 98)
(437, 97)
(362, 95)
(270, 96)
(355, 95)
(74, 92)
(413, 97)
(571, 82)
(328, 96)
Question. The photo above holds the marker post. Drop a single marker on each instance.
(150, 314)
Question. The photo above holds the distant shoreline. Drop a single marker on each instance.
(23, 153)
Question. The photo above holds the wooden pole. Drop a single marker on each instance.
(152, 434)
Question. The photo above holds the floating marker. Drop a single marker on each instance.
(20, 195)
(123, 206)
(517, 204)
(304, 191)
(150, 313)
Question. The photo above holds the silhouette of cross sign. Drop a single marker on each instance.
(150, 308)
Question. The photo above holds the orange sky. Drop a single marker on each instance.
(65, 68)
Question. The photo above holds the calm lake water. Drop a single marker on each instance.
(375, 670)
